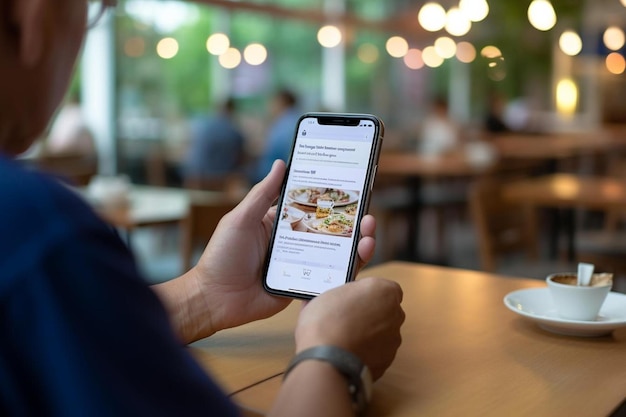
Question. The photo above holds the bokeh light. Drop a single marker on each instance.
(368, 53)
(490, 51)
(432, 17)
(167, 48)
(329, 36)
(445, 47)
(613, 38)
(570, 43)
(230, 59)
(397, 46)
(457, 23)
(431, 57)
(413, 59)
(496, 69)
(135, 46)
(475, 10)
(615, 63)
(566, 97)
(465, 52)
(255, 54)
(541, 15)
(217, 44)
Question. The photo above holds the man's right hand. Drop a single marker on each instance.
(363, 317)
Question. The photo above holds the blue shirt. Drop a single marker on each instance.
(81, 334)
(279, 141)
(216, 148)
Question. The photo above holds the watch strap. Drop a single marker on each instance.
(356, 372)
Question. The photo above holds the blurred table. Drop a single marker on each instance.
(557, 146)
(463, 353)
(413, 171)
(568, 192)
(149, 206)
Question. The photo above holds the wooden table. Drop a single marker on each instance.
(463, 353)
(557, 146)
(568, 192)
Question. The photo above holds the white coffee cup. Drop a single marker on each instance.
(576, 302)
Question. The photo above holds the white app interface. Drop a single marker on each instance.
(323, 198)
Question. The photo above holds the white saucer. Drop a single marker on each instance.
(536, 304)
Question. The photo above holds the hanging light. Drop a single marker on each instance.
(465, 52)
(457, 23)
(475, 10)
(217, 44)
(445, 47)
(329, 36)
(230, 59)
(167, 48)
(570, 43)
(615, 63)
(413, 59)
(255, 54)
(613, 38)
(431, 58)
(432, 17)
(566, 97)
(397, 46)
(541, 15)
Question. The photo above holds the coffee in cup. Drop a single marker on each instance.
(579, 302)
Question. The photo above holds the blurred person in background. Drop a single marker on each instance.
(216, 148)
(285, 115)
(69, 134)
(439, 133)
(82, 334)
(494, 120)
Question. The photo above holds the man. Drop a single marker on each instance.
(75, 316)
(216, 149)
(283, 109)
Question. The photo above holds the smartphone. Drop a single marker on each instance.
(326, 192)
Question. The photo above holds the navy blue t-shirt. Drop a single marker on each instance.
(81, 334)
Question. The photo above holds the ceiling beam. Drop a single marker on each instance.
(403, 24)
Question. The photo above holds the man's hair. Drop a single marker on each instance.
(287, 97)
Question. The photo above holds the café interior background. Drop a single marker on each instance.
(151, 66)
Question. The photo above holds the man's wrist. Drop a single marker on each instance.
(346, 363)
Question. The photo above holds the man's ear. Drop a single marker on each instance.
(28, 18)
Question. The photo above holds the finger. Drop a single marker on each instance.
(367, 243)
(261, 197)
(366, 249)
(368, 226)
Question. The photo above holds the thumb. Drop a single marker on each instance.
(261, 197)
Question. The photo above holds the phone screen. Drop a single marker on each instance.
(325, 194)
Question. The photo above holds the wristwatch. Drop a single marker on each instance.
(349, 365)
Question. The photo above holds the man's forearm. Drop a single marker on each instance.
(313, 389)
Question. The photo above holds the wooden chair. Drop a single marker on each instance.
(75, 169)
(502, 227)
(199, 225)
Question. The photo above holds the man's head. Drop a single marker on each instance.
(282, 101)
(39, 43)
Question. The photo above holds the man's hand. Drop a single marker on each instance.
(224, 289)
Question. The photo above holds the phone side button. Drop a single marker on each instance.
(373, 179)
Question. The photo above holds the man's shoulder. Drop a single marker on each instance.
(23, 191)
(37, 212)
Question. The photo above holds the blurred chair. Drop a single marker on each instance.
(502, 227)
(75, 169)
(200, 223)
(233, 185)
(606, 248)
